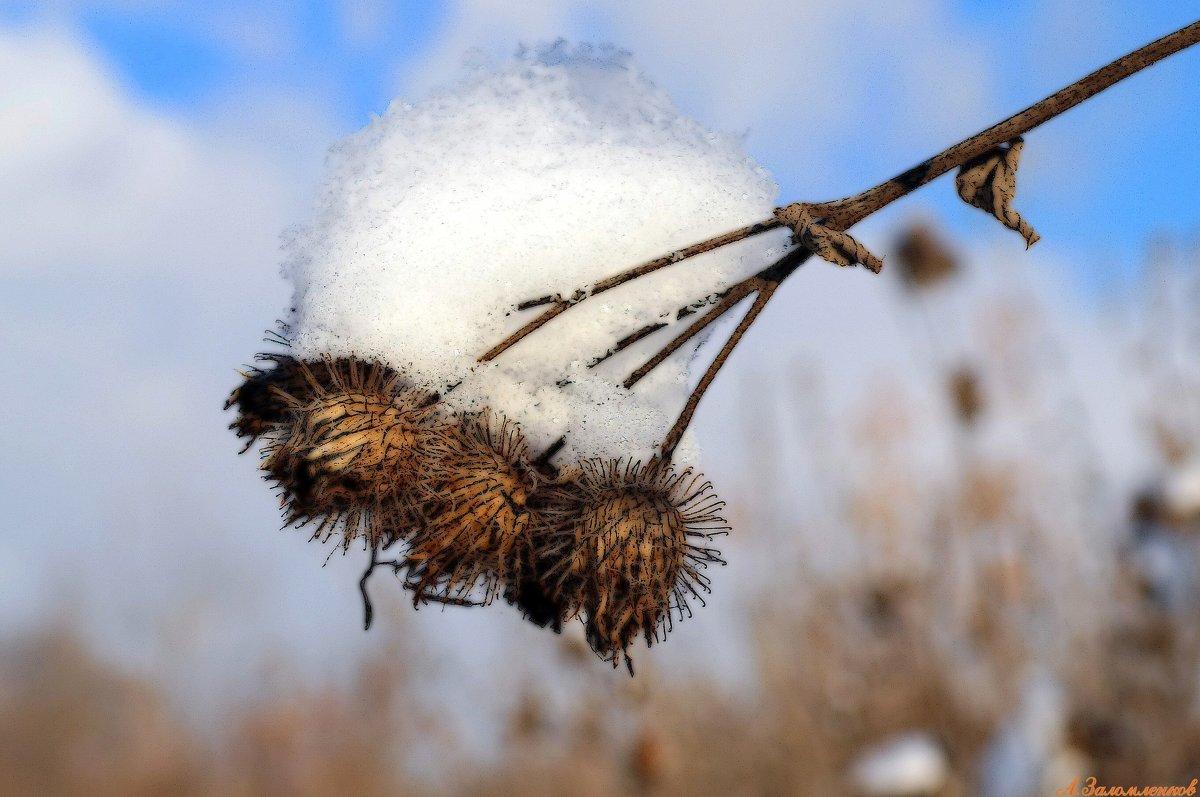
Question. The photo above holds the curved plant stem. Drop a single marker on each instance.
(421, 598)
(368, 607)
(627, 341)
(646, 331)
(837, 215)
(844, 213)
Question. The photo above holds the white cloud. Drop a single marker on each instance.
(138, 266)
(92, 180)
(261, 31)
(363, 22)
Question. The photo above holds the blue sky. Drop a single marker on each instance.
(1130, 152)
(185, 56)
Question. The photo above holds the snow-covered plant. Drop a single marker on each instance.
(412, 404)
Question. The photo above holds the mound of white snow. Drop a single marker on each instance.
(553, 171)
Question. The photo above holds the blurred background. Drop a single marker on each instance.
(966, 493)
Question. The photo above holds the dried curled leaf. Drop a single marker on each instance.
(990, 184)
(831, 245)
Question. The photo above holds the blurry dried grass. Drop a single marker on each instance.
(861, 664)
(76, 726)
(894, 643)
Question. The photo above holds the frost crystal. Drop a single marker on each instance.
(557, 169)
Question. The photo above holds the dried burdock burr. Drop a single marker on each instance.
(476, 487)
(267, 397)
(524, 589)
(924, 259)
(617, 544)
(624, 547)
(350, 454)
(259, 400)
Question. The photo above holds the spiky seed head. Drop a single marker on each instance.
(477, 486)
(268, 396)
(627, 549)
(260, 407)
(631, 555)
(527, 590)
(350, 454)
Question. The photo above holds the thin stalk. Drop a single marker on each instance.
(844, 213)
(649, 329)
(627, 341)
(561, 305)
(727, 303)
(765, 291)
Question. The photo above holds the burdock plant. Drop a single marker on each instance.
(346, 442)
(477, 528)
(475, 510)
(624, 546)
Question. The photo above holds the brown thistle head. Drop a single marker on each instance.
(525, 589)
(268, 396)
(625, 547)
(260, 405)
(350, 451)
(476, 487)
